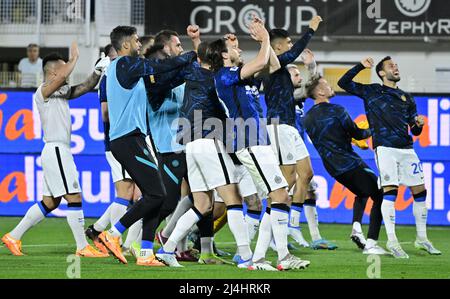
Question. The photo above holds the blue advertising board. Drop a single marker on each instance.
(21, 172)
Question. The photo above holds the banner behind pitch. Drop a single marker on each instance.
(343, 18)
(21, 172)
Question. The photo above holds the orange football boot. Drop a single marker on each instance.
(15, 246)
(113, 244)
(150, 261)
(91, 252)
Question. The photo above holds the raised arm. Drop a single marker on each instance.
(92, 81)
(350, 86)
(309, 60)
(131, 69)
(291, 55)
(259, 33)
(193, 31)
(274, 63)
(63, 73)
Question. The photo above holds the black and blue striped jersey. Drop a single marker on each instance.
(278, 87)
(331, 129)
(241, 99)
(390, 112)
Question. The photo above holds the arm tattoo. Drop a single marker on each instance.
(79, 90)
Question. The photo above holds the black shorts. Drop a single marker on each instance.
(362, 182)
(173, 171)
(136, 157)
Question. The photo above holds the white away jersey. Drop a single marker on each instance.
(54, 113)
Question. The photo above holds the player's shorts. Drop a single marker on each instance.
(118, 172)
(60, 171)
(209, 165)
(399, 167)
(287, 144)
(245, 182)
(263, 167)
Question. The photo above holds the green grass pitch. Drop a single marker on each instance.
(48, 245)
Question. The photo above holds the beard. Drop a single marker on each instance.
(135, 53)
(394, 78)
(237, 61)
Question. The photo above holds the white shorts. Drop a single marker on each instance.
(209, 166)
(287, 144)
(263, 167)
(399, 167)
(118, 172)
(60, 172)
(245, 182)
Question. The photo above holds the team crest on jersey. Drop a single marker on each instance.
(404, 98)
(278, 180)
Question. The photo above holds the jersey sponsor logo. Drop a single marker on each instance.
(252, 90)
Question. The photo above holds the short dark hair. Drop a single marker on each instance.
(119, 34)
(108, 49)
(215, 51)
(31, 46)
(150, 53)
(163, 37)
(380, 66)
(278, 33)
(51, 58)
(312, 87)
(202, 52)
(145, 39)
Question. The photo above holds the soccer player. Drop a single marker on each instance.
(60, 172)
(238, 91)
(246, 186)
(164, 113)
(123, 184)
(331, 130)
(293, 157)
(129, 78)
(309, 205)
(300, 95)
(210, 167)
(147, 42)
(392, 113)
